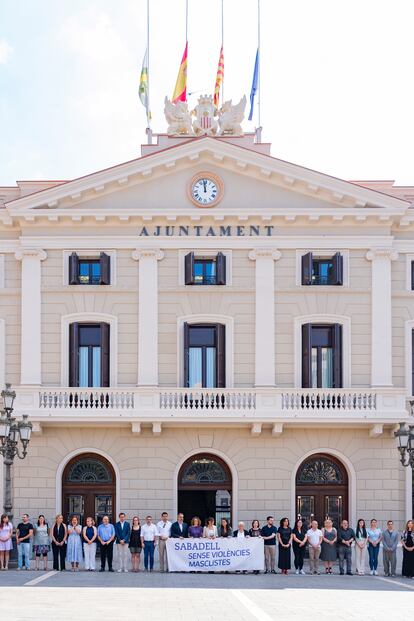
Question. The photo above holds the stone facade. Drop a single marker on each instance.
(140, 214)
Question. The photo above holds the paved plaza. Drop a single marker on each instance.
(39, 596)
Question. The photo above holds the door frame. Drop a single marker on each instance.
(231, 467)
(92, 489)
(346, 464)
(78, 453)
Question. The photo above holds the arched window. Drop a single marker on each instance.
(321, 470)
(89, 470)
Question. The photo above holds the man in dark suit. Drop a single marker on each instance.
(122, 535)
(179, 529)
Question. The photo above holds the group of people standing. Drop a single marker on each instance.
(74, 543)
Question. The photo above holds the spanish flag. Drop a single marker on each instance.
(180, 91)
(219, 78)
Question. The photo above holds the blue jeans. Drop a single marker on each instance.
(149, 548)
(373, 552)
(23, 550)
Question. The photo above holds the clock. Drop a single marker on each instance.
(205, 189)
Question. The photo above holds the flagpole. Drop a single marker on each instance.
(258, 71)
(222, 44)
(148, 73)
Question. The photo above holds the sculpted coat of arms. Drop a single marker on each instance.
(208, 120)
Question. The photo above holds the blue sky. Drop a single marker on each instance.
(337, 80)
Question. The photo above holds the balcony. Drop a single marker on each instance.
(254, 407)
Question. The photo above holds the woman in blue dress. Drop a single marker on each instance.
(74, 549)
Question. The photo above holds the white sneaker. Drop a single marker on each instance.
(375, 573)
(303, 572)
(125, 571)
(119, 571)
(371, 572)
(297, 572)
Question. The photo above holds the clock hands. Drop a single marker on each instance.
(204, 182)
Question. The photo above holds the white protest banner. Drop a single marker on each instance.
(222, 554)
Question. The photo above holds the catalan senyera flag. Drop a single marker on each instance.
(180, 91)
(219, 78)
(143, 86)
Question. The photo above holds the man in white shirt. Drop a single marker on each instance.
(314, 539)
(164, 532)
(149, 539)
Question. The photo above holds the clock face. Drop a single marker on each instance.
(205, 190)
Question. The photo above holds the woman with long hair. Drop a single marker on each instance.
(374, 539)
(58, 535)
(299, 539)
(135, 545)
(407, 540)
(361, 539)
(225, 528)
(41, 542)
(6, 543)
(284, 536)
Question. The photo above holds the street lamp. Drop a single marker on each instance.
(11, 431)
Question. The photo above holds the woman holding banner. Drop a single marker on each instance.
(196, 530)
(210, 530)
(284, 536)
(225, 528)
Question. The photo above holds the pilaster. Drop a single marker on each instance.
(148, 315)
(30, 351)
(381, 315)
(265, 315)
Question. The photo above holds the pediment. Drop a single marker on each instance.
(156, 185)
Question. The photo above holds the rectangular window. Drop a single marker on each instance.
(205, 270)
(322, 270)
(321, 356)
(204, 355)
(89, 355)
(89, 271)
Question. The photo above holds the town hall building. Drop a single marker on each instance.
(209, 329)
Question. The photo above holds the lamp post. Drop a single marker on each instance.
(11, 431)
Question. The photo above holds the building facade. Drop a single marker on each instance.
(209, 329)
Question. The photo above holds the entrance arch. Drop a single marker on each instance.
(88, 488)
(205, 488)
(322, 489)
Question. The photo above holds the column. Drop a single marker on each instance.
(381, 315)
(148, 315)
(265, 315)
(30, 350)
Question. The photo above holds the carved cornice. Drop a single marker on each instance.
(35, 253)
(382, 253)
(265, 253)
(147, 253)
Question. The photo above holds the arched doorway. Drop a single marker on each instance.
(205, 488)
(88, 488)
(322, 489)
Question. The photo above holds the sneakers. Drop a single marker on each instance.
(297, 572)
(303, 572)
(371, 572)
(375, 573)
(119, 571)
(125, 571)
